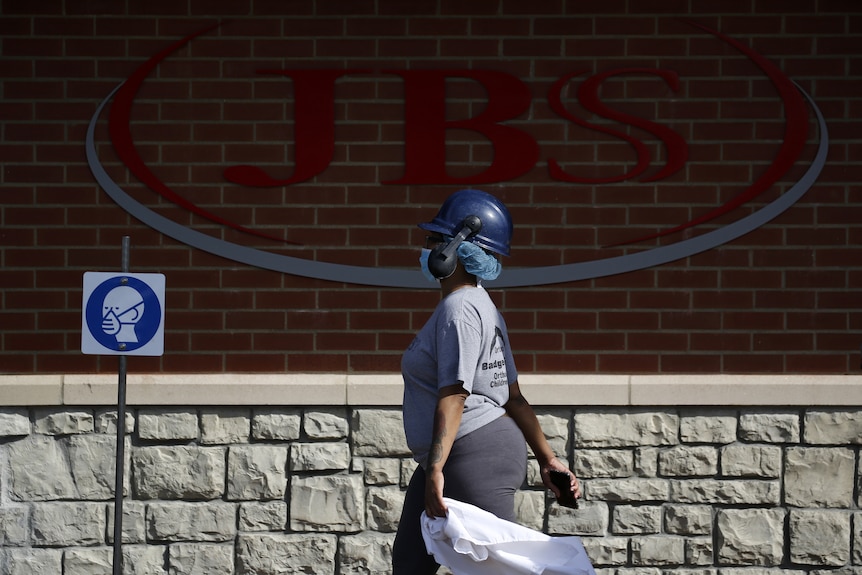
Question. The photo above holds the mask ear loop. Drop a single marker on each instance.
(443, 260)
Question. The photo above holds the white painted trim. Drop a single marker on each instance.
(385, 389)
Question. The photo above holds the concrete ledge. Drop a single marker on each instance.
(207, 389)
(31, 390)
(375, 389)
(746, 390)
(386, 389)
(585, 389)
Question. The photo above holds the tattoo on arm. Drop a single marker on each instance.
(436, 453)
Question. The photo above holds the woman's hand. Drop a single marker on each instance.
(557, 465)
(434, 506)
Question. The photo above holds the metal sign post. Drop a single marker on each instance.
(122, 314)
(121, 442)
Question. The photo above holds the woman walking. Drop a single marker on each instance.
(466, 421)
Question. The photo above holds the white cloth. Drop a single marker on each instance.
(471, 541)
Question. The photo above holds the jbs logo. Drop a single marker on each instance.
(425, 125)
(515, 152)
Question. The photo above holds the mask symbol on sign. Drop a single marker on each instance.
(121, 311)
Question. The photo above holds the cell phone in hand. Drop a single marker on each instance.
(562, 480)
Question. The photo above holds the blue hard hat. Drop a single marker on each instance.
(496, 231)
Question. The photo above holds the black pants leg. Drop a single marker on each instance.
(408, 553)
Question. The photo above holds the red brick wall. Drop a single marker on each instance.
(781, 299)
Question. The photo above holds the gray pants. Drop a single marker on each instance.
(485, 468)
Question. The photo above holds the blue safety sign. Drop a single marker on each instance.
(123, 314)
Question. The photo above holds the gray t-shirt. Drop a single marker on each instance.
(465, 341)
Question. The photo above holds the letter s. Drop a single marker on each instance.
(588, 96)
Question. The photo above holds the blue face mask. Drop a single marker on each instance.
(423, 264)
(479, 262)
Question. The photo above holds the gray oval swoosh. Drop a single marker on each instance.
(402, 278)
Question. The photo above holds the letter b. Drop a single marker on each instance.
(425, 125)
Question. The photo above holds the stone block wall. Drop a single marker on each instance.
(264, 490)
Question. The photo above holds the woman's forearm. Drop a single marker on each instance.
(519, 409)
(447, 419)
(522, 413)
